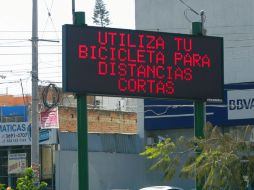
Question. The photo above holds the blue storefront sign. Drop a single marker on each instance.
(169, 114)
(19, 133)
(11, 111)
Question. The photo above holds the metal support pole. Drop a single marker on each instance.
(35, 161)
(82, 128)
(82, 143)
(199, 106)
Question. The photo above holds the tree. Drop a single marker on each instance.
(219, 161)
(100, 15)
(27, 182)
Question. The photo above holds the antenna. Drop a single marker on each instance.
(202, 14)
(73, 10)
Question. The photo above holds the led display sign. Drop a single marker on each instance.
(108, 61)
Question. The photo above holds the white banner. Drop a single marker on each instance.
(19, 133)
(16, 163)
(240, 104)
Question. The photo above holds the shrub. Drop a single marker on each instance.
(2, 186)
(27, 182)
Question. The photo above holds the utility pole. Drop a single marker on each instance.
(199, 106)
(35, 161)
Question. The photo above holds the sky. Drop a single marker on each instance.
(16, 32)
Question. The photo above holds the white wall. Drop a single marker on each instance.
(117, 103)
(231, 19)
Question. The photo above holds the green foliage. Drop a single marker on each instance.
(27, 182)
(2, 186)
(219, 161)
(100, 15)
(166, 156)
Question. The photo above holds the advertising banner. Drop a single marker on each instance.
(16, 163)
(19, 133)
(241, 104)
(49, 119)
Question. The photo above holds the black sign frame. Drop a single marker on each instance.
(80, 73)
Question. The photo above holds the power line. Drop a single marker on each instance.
(239, 40)
(59, 31)
(49, 81)
(53, 45)
(230, 26)
(233, 33)
(47, 53)
(25, 31)
(50, 75)
(51, 67)
(23, 39)
(17, 39)
(45, 62)
(28, 46)
(243, 46)
(189, 7)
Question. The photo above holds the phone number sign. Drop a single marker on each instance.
(107, 61)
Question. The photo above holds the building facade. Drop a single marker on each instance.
(229, 19)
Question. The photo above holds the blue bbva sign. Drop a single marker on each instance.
(237, 109)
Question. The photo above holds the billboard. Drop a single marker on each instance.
(134, 63)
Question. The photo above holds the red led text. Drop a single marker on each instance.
(144, 63)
